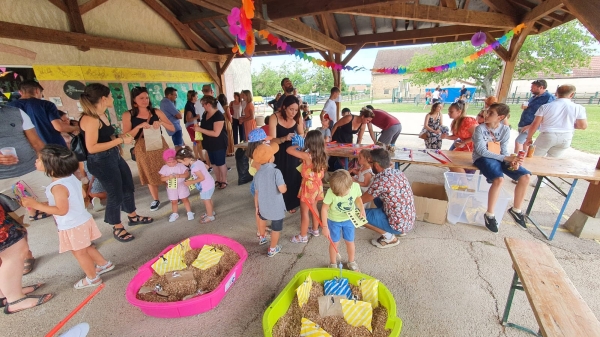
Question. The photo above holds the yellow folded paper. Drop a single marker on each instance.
(208, 257)
(310, 328)
(173, 259)
(370, 291)
(303, 291)
(198, 135)
(357, 313)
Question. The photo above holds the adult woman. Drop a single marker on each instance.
(462, 128)
(236, 113)
(190, 119)
(143, 116)
(248, 119)
(228, 120)
(432, 127)
(214, 138)
(13, 250)
(345, 129)
(282, 127)
(105, 162)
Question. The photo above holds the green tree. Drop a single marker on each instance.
(556, 51)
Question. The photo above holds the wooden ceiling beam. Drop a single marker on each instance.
(355, 29)
(438, 14)
(525, 4)
(75, 20)
(289, 9)
(502, 6)
(323, 24)
(373, 25)
(541, 10)
(89, 5)
(200, 16)
(394, 25)
(211, 33)
(290, 28)
(60, 4)
(31, 33)
(333, 27)
(352, 53)
(414, 34)
(319, 24)
(588, 13)
(500, 51)
(448, 3)
(22, 52)
(226, 34)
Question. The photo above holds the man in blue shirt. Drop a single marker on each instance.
(43, 114)
(167, 105)
(540, 97)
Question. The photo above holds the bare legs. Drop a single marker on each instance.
(88, 258)
(350, 248)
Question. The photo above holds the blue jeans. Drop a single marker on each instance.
(377, 217)
(177, 138)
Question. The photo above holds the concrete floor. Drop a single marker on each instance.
(448, 280)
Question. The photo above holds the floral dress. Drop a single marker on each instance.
(433, 140)
(311, 188)
(11, 231)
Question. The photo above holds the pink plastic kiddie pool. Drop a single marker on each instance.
(196, 305)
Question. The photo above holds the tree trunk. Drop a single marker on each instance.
(486, 84)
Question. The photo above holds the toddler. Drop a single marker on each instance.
(324, 129)
(343, 197)
(201, 179)
(268, 195)
(255, 138)
(76, 226)
(363, 173)
(175, 174)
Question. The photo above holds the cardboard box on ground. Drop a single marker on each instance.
(431, 202)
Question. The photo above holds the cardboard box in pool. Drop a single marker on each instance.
(431, 202)
(282, 303)
(195, 305)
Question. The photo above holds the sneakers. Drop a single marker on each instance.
(179, 202)
(173, 217)
(491, 223)
(105, 268)
(518, 217)
(333, 265)
(190, 216)
(154, 205)
(262, 240)
(273, 251)
(210, 169)
(314, 232)
(383, 243)
(97, 204)
(353, 266)
(228, 168)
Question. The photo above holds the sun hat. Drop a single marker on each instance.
(264, 153)
(258, 135)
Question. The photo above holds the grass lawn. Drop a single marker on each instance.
(584, 140)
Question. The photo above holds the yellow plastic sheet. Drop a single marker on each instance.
(303, 291)
(208, 257)
(370, 291)
(311, 329)
(357, 313)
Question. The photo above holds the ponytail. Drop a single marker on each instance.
(91, 96)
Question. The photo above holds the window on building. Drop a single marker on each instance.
(386, 91)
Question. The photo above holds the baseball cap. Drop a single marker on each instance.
(264, 153)
(258, 135)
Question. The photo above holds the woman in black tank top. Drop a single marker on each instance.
(104, 160)
(345, 129)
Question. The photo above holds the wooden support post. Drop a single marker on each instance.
(591, 202)
(337, 82)
(509, 66)
(585, 221)
(221, 69)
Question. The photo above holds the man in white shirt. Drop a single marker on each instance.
(557, 122)
(330, 108)
(435, 96)
(206, 91)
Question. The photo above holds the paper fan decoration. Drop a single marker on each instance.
(478, 39)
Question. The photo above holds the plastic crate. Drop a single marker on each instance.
(468, 204)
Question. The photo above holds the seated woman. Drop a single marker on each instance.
(344, 130)
(462, 128)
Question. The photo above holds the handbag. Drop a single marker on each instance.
(9, 204)
(78, 146)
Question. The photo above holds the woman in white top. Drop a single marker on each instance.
(236, 112)
(76, 227)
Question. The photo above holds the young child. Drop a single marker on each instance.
(178, 172)
(203, 181)
(95, 191)
(432, 127)
(255, 138)
(364, 173)
(76, 227)
(268, 197)
(343, 196)
(314, 165)
(490, 155)
(324, 129)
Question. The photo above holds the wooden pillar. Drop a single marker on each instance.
(337, 82)
(591, 202)
(509, 65)
(221, 68)
(585, 221)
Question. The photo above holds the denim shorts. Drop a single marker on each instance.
(276, 225)
(308, 123)
(252, 187)
(217, 157)
(207, 195)
(493, 169)
(522, 137)
(337, 228)
(177, 138)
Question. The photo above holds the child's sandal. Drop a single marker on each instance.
(90, 283)
(299, 239)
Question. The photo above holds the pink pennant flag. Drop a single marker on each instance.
(3, 70)
(16, 75)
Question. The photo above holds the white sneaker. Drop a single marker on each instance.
(97, 205)
(190, 215)
(173, 217)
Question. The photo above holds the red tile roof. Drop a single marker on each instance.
(593, 71)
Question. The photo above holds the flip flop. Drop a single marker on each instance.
(41, 300)
(35, 287)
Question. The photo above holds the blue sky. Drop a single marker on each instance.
(364, 58)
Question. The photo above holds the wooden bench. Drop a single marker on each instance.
(556, 304)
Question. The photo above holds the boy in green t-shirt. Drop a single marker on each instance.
(343, 197)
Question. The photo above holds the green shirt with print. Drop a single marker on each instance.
(338, 206)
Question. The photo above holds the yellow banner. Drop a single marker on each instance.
(88, 73)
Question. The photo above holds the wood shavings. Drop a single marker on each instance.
(289, 324)
(204, 280)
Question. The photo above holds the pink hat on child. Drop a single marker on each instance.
(169, 154)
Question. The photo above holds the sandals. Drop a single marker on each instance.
(292, 211)
(121, 234)
(41, 300)
(90, 283)
(206, 219)
(314, 232)
(139, 220)
(222, 185)
(28, 265)
(38, 215)
(105, 268)
(381, 242)
(35, 287)
(299, 239)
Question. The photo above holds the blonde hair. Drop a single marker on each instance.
(92, 94)
(248, 94)
(365, 153)
(340, 182)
